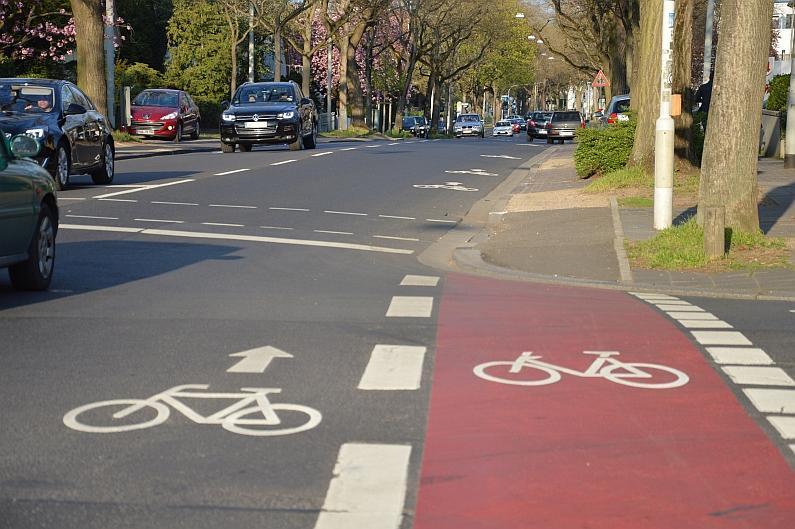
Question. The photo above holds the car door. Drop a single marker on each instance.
(305, 111)
(189, 111)
(17, 214)
(95, 126)
(73, 128)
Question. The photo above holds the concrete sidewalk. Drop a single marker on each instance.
(550, 230)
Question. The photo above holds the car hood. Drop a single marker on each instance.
(263, 108)
(154, 113)
(18, 122)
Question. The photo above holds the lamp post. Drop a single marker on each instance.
(664, 129)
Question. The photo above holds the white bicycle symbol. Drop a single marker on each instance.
(454, 186)
(612, 369)
(264, 420)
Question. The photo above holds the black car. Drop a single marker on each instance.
(536, 125)
(74, 136)
(417, 126)
(268, 113)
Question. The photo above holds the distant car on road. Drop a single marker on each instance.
(266, 114)
(74, 136)
(563, 125)
(503, 128)
(417, 126)
(536, 125)
(468, 125)
(518, 120)
(164, 113)
(28, 214)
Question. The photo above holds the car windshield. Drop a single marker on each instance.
(419, 120)
(469, 118)
(156, 99)
(26, 98)
(252, 95)
(503, 124)
(566, 116)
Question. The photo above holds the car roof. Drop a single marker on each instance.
(31, 80)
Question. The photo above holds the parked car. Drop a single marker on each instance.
(74, 135)
(503, 128)
(164, 113)
(617, 109)
(417, 126)
(563, 125)
(536, 126)
(468, 125)
(266, 114)
(28, 214)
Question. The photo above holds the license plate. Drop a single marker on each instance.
(542, 131)
(144, 131)
(566, 133)
(256, 125)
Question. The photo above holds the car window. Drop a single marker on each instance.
(81, 98)
(67, 97)
(622, 106)
(566, 116)
(503, 124)
(420, 120)
(154, 98)
(26, 98)
(255, 94)
(469, 118)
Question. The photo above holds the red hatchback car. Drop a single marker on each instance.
(164, 113)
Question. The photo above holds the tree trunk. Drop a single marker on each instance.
(306, 57)
(233, 39)
(277, 52)
(90, 37)
(355, 94)
(646, 92)
(682, 71)
(728, 173)
(342, 101)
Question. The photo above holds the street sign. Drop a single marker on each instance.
(600, 81)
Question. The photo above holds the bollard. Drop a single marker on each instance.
(714, 232)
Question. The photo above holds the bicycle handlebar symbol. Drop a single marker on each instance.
(264, 420)
(634, 374)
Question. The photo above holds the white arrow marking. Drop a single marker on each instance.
(500, 156)
(256, 360)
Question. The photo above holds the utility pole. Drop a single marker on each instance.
(664, 129)
(251, 43)
(789, 143)
(110, 59)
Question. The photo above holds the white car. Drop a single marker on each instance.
(503, 128)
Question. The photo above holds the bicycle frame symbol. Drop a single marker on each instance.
(265, 419)
(454, 186)
(634, 374)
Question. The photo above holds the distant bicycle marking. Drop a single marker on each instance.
(603, 366)
(454, 186)
(264, 417)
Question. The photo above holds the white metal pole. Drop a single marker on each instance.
(664, 129)
(110, 60)
(251, 43)
(789, 141)
(708, 40)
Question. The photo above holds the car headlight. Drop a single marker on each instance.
(285, 115)
(173, 115)
(36, 133)
(227, 116)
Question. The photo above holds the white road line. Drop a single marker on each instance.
(410, 307)
(231, 172)
(284, 162)
(410, 239)
(91, 217)
(703, 324)
(372, 146)
(671, 302)
(223, 224)
(396, 143)
(117, 200)
(739, 355)
(175, 203)
(161, 221)
(680, 308)
(231, 206)
(85, 227)
(69, 198)
(442, 221)
(345, 213)
(393, 367)
(692, 316)
(397, 217)
(720, 338)
(143, 188)
(759, 376)
(419, 281)
(650, 296)
(275, 228)
(334, 232)
(785, 426)
(505, 156)
(368, 489)
(349, 149)
(289, 209)
(325, 153)
(772, 400)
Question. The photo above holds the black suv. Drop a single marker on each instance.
(74, 135)
(268, 113)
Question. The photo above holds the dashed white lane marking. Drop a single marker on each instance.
(324, 153)
(396, 143)
(703, 324)
(419, 281)
(393, 367)
(175, 203)
(772, 400)
(680, 308)
(91, 217)
(720, 338)
(410, 239)
(117, 200)
(368, 488)
(373, 146)
(223, 224)
(650, 296)
(758, 376)
(231, 172)
(139, 188)
(275, 228)
(345, 213)
(505, 156)
(442, 221)
(692, 316)
(231, 206)
(247, 238)
(397, 217)
(410, 307)
(671, 302)
(284, 162)
(349, 149)
(334, 232)
(739, 355)
(785, 426)
(69, 198)
(161, 221)
(289, 209)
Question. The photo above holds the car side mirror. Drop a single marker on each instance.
(24, 146)
(224, 104)
(74, 109)
(305, 101)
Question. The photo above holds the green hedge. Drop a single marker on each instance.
(779, 87)
(604, 150)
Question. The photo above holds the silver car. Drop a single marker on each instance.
(468, 125)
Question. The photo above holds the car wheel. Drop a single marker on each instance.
(549, 141)
(196, 130)
(245, 147)
(178, 133)
(298, 144)
(104, 175)
(310, 142)
(62, 167)
(36, 272)
(227, 147)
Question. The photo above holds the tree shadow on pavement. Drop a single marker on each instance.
(774, 205)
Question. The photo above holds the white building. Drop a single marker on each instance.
(782, 23)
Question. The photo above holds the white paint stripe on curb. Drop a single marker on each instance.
(393, 367)
(703, 324)
(772, 400)
(720, 338)
(739, 355)
(759, 376)
(410, 307)
(784, 425)
(419, 281)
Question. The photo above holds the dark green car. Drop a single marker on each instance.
(28, 215)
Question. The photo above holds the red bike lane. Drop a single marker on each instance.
(586, 452)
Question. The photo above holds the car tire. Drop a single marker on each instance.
(227, 147)
(549, 141)
(310, 142)
(298, 144)
(104, 175)
(245, 147)
(36, 272)
(196, 130)
(62, 167)
(178, 133)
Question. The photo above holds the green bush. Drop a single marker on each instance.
(138, 76)
(604, 150)
(779, 87)
(210, 111)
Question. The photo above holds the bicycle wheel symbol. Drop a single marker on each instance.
(118, 424)
(238, 423)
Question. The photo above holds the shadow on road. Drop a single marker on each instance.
(775, 205)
